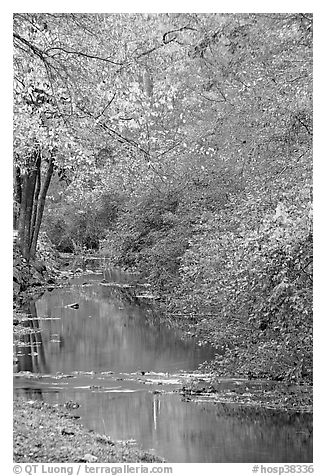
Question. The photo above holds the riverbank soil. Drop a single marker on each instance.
(50, 434)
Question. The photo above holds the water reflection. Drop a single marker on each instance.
(193, 433)
(106, 332)
(187, 432)
(30, 354)
(110, 333)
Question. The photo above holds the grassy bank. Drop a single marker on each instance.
(49, 434)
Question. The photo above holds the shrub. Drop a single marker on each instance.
(76, 225)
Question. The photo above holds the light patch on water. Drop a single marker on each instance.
(122, 390)
(82, 386)
(167, 381)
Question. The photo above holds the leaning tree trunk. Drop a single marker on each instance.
(33, 195)
(35, 203)
(17, 195)
(28, 182)
(40, 207)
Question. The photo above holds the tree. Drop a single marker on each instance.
(43, 140)
(72, 93)
(238, 244)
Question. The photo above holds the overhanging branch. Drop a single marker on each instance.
(30, 45)
(85, 55)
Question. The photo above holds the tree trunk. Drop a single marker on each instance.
(36, 196)
(25, 215)
(32, 201)
(22, 214)
(40, 208)
(17, 196)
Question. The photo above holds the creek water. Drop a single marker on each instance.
(122, 364)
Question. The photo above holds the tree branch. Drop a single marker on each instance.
(165, 41)
(108, 105)
(304, 125)
(113, 132)
(85, 55)
(32, 47)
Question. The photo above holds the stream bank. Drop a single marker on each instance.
(285, 395)
(45, 433)
(122, 364)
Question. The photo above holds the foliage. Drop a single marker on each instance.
(185, 141)
(74, 226)
(250, 269)
(244, 255)
(149, 236)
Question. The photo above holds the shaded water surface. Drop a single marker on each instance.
(122, 364)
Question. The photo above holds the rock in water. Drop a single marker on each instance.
(74, 305)
(90, 458)
(70, 405)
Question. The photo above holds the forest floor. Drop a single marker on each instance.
(50, 434)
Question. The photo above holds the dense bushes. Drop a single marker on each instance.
(153, 232)
(75, 225)
(151, 236)
(236, 262)
(241, 269)
(247, 275)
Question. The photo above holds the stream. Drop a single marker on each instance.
(123, 364)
